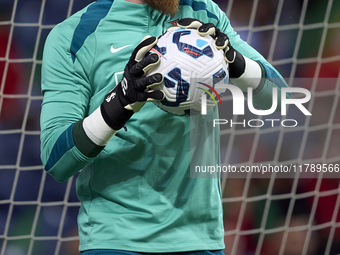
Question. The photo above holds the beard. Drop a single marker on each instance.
(167, 7)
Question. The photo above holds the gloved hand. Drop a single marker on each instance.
(135, 89)
(232, 57)
(243, 72)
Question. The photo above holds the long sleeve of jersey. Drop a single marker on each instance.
(66, 92)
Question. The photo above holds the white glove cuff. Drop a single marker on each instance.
(96, 128)
(251, 77)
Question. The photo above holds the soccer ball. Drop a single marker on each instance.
(192, 67)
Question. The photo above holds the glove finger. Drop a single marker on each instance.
(229, 54)
(158, 81)
(147, 63)
(189, 23)
(146, 82)
(155, 95)
(154, 62)
(222, 40)
(151, 96)
(144, 47)
(135, 107)
(207, 29)
(147, 96)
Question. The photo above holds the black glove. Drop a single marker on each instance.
(232, 57)
(134, 90)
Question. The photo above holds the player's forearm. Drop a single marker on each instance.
(63, 159)
(95, 130)
(78, 145)
(247, 73)
(69, 164)
(74, 149)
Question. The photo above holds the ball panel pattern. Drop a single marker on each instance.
(189, 62)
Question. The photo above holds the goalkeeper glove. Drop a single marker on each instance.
(135, 89)
(243, 71)
(124, 100)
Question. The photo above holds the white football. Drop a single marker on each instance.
(192, 67)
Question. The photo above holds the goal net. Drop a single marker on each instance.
(271, 214)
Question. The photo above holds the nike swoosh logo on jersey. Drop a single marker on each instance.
(114, 50)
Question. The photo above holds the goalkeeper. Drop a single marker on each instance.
(135, 188)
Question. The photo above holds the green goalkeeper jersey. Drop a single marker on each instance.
(136, 194)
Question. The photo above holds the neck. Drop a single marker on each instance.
(136, 1)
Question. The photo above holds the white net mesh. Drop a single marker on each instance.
(287, 215)
(37, 215)
(262, 216)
